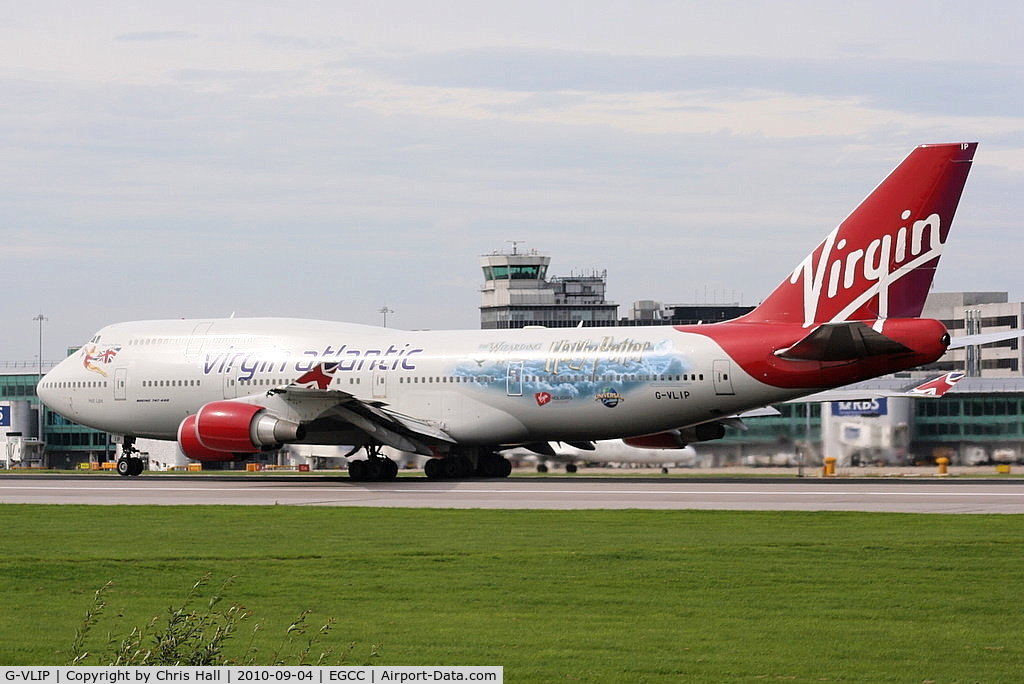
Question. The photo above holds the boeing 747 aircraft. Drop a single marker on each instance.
(229, 388)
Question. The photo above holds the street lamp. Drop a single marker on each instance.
(41, 411)
(385, 311)
(40, 318)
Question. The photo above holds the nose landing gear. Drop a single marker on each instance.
(129, 465)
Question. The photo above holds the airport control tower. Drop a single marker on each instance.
(517, 293)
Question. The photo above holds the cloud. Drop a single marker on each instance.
(149, 36)
(323, 161)
(898, 84)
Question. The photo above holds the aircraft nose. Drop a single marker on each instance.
(53, 391)
(43, 390)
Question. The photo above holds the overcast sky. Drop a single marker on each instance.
(325, 159)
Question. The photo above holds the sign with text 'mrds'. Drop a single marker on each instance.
(864, 407)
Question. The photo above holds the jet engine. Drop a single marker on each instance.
(677, 439)
(222, 429)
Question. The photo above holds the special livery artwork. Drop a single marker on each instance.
(603, 369)
(93, 357)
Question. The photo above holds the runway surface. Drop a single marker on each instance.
(910, 496)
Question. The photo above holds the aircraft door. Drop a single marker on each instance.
(721, 370)
(120, 384)
(514, 379)
(380, 383)
(197, 340)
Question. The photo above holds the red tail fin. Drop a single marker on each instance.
(880, 261)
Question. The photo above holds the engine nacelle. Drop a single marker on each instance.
(188, 442)
(677, 439)
(235, 427)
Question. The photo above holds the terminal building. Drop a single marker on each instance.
(54, 442)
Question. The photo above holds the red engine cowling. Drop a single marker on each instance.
(222, 429)
(190, 445)
(678, 439)
(661, 440)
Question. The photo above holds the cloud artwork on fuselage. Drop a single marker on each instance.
(579, 369)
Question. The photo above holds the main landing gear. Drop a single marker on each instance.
(488, 464)
(129, 465)
(375, 468)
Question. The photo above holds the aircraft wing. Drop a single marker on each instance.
(360, 422)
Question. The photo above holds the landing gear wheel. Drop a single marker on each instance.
(357, 470)
(493, 465)
(129, 465)
(466, 468)
(434, 469)
(542, 468)
(135, 466)
(570, 468)
(486, 466)
(373, 469)
(450, 467)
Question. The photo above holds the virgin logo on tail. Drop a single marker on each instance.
(868, 271)
(880, 261)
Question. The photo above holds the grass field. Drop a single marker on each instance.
(550, 595)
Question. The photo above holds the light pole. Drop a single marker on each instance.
(385, 311)
(42, 410)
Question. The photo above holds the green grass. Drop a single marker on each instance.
(550, 595)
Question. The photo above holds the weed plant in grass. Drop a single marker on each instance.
(582, 595)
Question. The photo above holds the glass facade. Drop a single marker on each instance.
(67, 443)
(792, 425)
(989, 418)
(515, 272)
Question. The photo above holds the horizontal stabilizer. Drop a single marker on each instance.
(842, 342)
(984, 338)
(932, 388)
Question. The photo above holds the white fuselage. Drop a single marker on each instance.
(480, 387)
